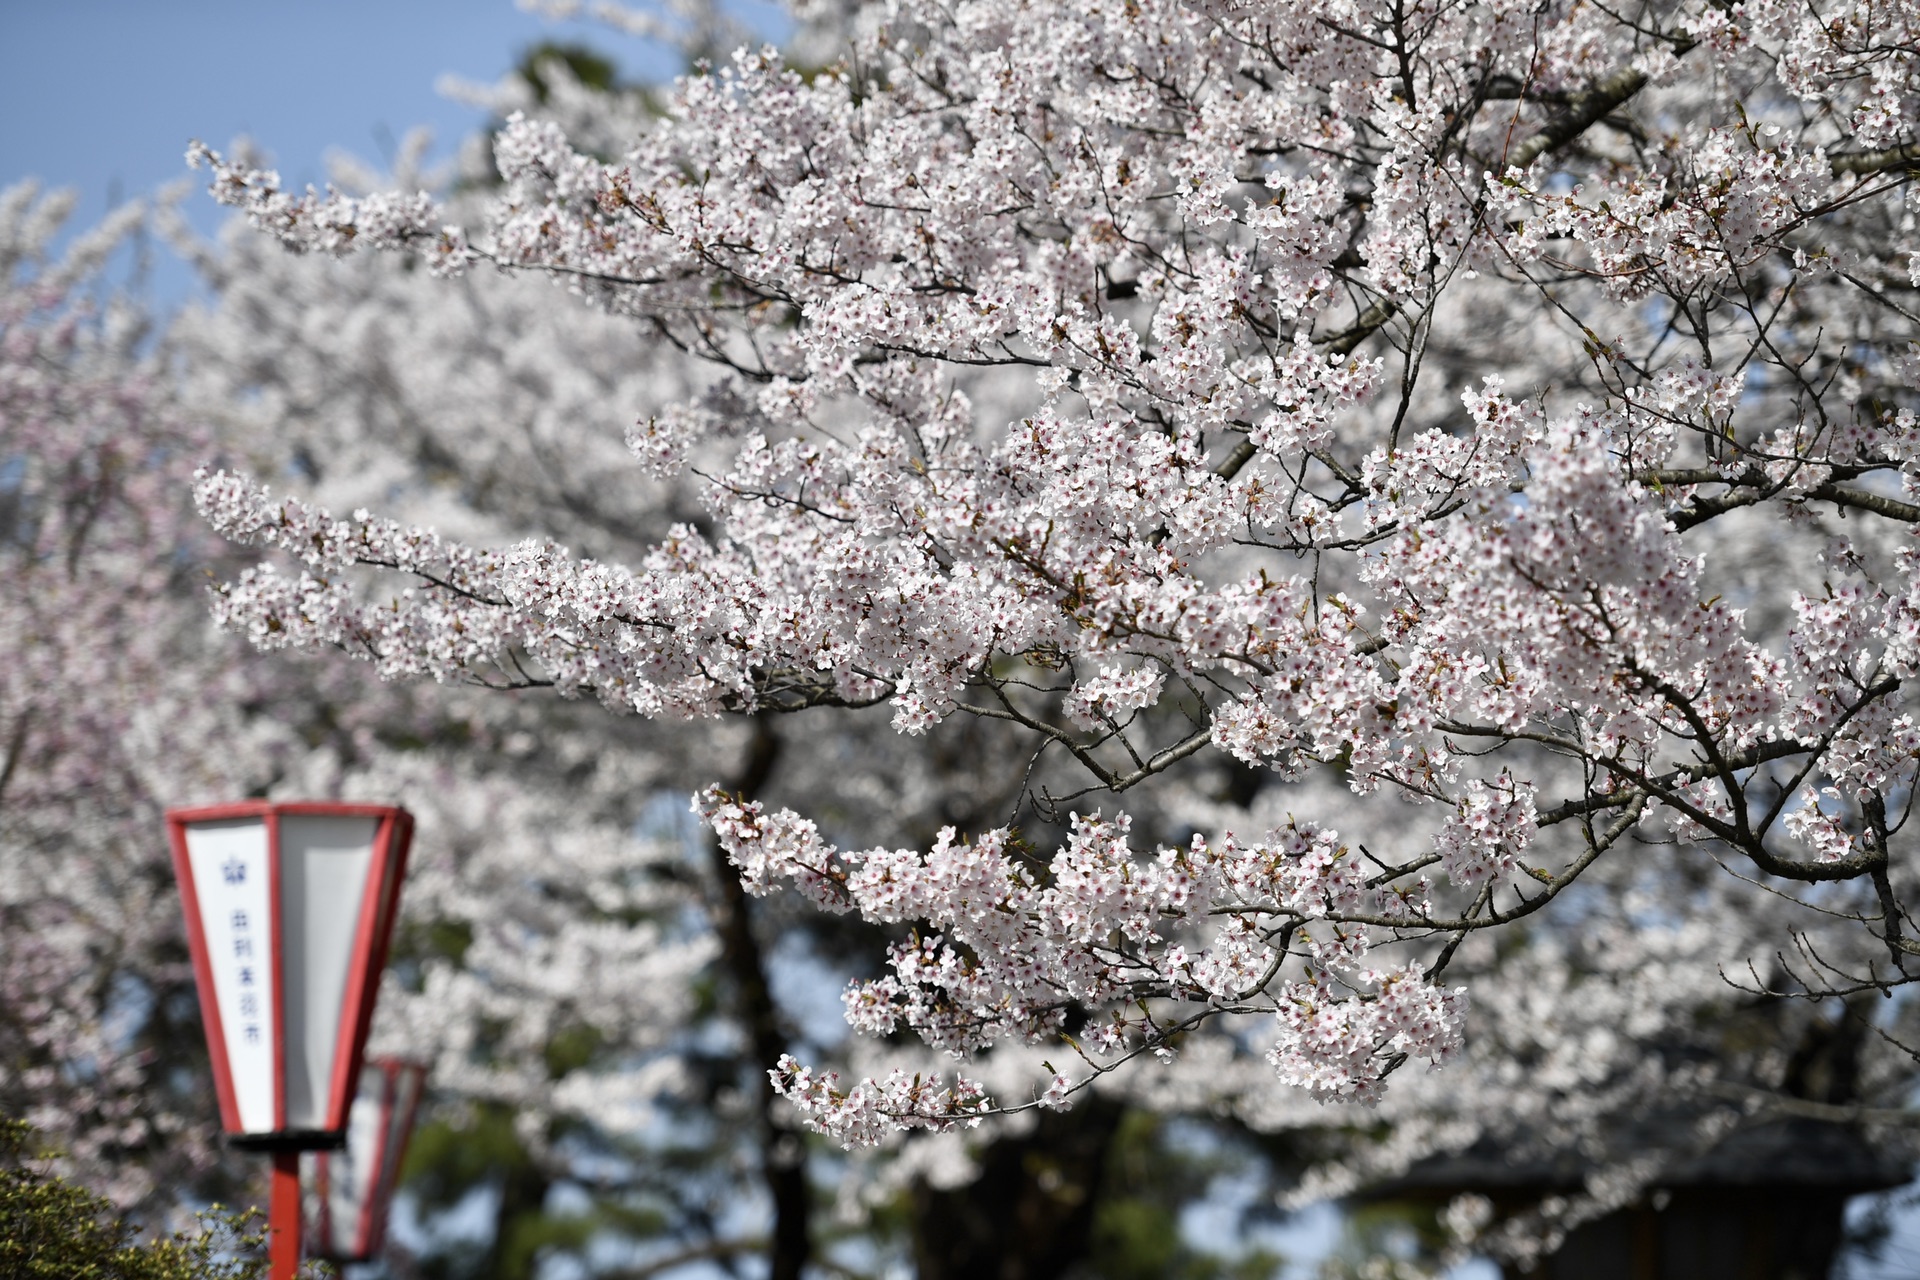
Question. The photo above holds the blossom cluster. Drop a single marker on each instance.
(1004, 951)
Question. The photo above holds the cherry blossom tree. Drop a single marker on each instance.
(1369, 386)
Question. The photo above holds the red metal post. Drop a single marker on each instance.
(283, 1216)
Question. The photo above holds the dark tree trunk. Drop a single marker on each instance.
(523, 1198)
(783, 1151)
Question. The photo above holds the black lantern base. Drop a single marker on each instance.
(290, 1140)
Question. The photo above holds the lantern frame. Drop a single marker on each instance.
(374, 918)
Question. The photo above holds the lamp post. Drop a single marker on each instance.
(352, 1189)
(289, 908)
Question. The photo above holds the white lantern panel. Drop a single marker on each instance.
(229, 863)
(324, 863)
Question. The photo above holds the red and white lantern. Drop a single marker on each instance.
(289, 909)
(350, 1191)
